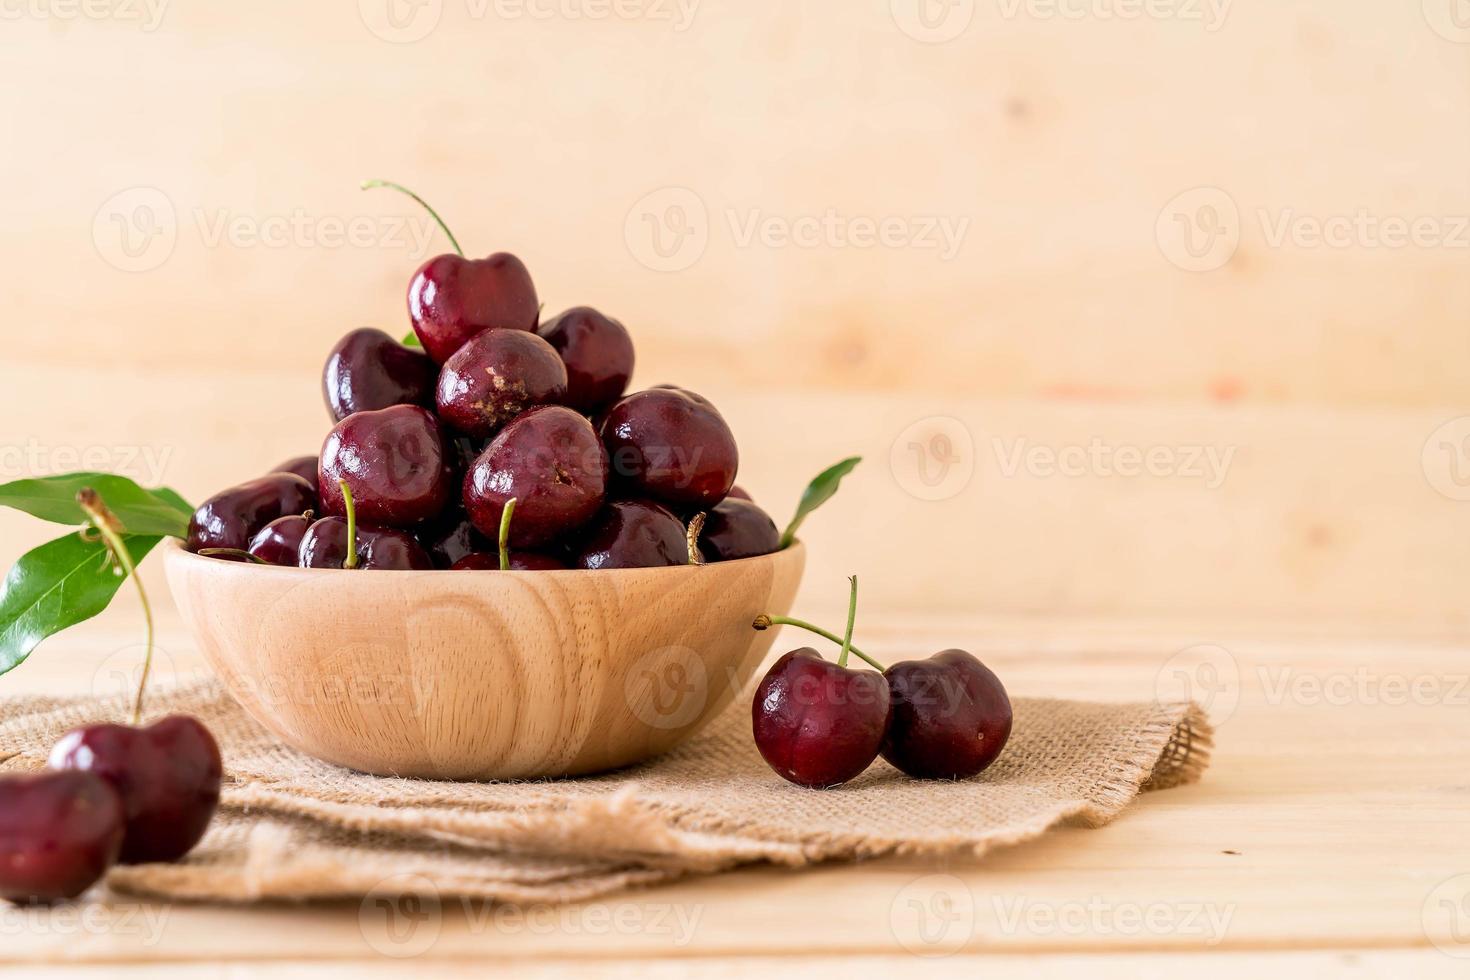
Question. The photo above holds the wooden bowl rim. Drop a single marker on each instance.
(176, 553)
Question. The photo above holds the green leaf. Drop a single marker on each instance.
(141, 511)
(58, 585)
(817, 493)
(412, 340)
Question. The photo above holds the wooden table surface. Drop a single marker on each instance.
(1327, 835)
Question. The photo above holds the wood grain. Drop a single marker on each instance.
(483, 675)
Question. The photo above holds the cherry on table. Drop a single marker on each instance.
(368, 370)
(552, 463)
(395, 462)
(951, 716)
(59, 833)
(817, 723)
(167, 775)
(631, 534)
(736, 528)
(279, 542)
(495, 376)
(598, 354)
(671, 445)
(232, 517)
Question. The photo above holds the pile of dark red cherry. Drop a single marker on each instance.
(431, 444)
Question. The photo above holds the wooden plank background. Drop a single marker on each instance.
(1135, 263)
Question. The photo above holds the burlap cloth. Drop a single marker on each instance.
(291, 827)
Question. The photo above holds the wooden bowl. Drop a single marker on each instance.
(483, 675)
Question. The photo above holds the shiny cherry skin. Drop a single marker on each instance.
(302, 466)
(279, 542)
(951, 716)
(630, 534)
(395, 461)
(59, 833)
(598, 354)
(232, 517)
(736, 528)
(168, 775)
(818, 724)
(552, 463)
(520, 561)
(452, 298)
(451, 537)
(671, 445)
(368, 370)
(495, 376)
(738, 493)
(380, 548)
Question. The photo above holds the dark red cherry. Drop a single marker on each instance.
(279, 542)
(598, 354)
(818, 724)
(736, 528)
(168, 775)
(368, 370)
(232, 517)
(630, 534)
(552, 463)
(738, 493)
(59, 833)
(520, 561)
(395, 462)
(450, 537)
(495, 376)
(951, 716)
(302, 466)
(671, 445)
(452, 298)
(382, 548)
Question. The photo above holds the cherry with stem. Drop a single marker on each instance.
(351, 560)
(106, 524)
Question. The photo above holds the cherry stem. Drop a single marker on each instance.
(112, 530)
(851, 616)
(691, 536)
(351, 560)
(370, 184)
(233, 553)
(504, 539)
(765, 622)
